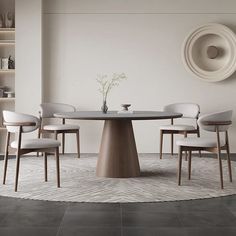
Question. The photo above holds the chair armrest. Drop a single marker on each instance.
(216, 123)
(19, 123)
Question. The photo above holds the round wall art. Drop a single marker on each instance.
(209, 52)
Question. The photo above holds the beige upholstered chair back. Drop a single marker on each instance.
(222, 116)
(14, 117)
(189, 110)
(49, 109)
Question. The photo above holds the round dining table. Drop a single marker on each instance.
(118, 157)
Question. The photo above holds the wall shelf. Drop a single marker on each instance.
(7, 42)
(7, 30)
(7, 99)
(7, 71)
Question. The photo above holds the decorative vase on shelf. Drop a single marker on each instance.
(4, 63)
(104, 107)
(10, 94)
(1, 21)
(11, 63)
(9, 20)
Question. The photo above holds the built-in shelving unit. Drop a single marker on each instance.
(7, 76)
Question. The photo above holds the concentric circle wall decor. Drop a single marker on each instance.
(209, 52)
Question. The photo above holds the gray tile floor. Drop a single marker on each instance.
(216, 216)
(199, 217)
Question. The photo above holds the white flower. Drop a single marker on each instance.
(107, 84)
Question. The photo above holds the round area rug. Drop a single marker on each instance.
(79, 183)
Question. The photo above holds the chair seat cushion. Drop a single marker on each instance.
(60, 127)
(177, 127)
(36, 143)
(199, 142)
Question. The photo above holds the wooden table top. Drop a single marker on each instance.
(114, 115)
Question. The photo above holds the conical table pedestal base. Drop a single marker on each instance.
(118, 157)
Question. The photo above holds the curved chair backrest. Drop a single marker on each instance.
(189, 110)
(214, 117)
(49, 109)
(14, 117)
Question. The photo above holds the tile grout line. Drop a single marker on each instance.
(121, 219)
(59, 227)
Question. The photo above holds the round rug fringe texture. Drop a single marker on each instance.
(158, 181)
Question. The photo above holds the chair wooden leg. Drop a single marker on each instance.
(172, 144)
(39, 132)
(219, 159)
(78, 143)
(221, 171)
(18, 158)
(45, 167)
(228, 157)
(180, 165)
(161, 143)
(55, 134)
(198, 135)
(63, 143)
(189, 164)
(17, 170)
(186, 153)
(229, 166)
(5, 168)
(57, 167)
(6, 158)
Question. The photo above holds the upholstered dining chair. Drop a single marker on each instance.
(47, 111)
(22, 123)
(216, 122)
(189, 110)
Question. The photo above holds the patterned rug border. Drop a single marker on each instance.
(148, 157)
(184, 200)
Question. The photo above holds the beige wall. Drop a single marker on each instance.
(139, 6)
(141, 38)
(28, 55)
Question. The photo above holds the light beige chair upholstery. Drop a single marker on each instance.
(189, 110)
(21, 123)
(60, 127)
(177, 127)
(47, 111)
(199, 142)
(36, 143)
(216, 122)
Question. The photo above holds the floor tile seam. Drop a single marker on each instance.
(59, 227)
(121, 220)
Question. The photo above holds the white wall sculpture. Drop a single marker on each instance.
(209, 52)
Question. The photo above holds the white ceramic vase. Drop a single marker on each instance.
(4, 63)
